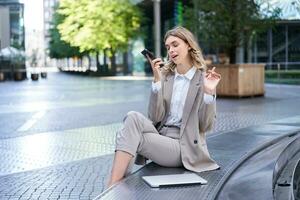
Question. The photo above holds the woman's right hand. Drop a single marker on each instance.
(156, 68)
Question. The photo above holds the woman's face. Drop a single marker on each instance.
(177, 50)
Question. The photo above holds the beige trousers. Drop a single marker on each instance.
(139, 135)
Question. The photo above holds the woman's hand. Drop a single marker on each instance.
(211, 81)
(156, 68)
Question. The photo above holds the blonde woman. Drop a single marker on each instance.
(182, 108)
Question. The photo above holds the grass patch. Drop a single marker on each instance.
(291, 77)
(291, 74)
(283, 81)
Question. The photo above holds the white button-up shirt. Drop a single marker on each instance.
(180, 90)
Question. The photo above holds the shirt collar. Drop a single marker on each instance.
(189, 74)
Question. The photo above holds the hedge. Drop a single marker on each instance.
(292, 74)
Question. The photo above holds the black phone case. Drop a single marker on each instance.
(146, 52)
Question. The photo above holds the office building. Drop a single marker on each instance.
(11, 24)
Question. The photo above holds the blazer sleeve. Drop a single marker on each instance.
(207, 116)
(156, 108)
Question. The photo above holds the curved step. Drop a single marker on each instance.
(286, 172)
(253, 176)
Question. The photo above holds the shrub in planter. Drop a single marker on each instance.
(18, 76)
(44, 74)
(230, 28)
(18, 66)
(34, 76)
(2, 76)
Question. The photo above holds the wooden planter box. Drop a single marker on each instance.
(240, 80)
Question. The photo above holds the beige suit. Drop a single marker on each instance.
(171, 146)
(197, 118)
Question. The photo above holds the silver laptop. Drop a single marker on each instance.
(174, 179)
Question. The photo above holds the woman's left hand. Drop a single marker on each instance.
(211, 81)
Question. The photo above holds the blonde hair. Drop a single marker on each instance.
(195, 51)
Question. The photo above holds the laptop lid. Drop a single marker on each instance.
(174, 179)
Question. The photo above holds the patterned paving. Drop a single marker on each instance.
(57, 135)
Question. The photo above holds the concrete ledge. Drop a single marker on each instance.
(229, 149)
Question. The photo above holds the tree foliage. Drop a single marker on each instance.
(227, 24)
(57, 47)
(94, 25)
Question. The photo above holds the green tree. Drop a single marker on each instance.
(226, 25)
(57, 47)
(94, 25)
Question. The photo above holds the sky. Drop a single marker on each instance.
(33, 23)
(33, 15)
(289, 8)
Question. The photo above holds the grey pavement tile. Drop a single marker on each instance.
(76, 134)
(41, 150)
(12, 121)
(83, 182)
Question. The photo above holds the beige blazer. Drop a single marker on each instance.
(197, 118)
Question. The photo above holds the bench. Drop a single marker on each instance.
(231, 150)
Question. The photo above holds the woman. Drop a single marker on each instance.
(182, 108)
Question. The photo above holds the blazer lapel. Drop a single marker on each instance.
(190, 98)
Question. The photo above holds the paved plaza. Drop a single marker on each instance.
(57, 134)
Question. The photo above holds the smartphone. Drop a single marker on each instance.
(146, 52)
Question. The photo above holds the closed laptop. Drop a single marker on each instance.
(174, 179)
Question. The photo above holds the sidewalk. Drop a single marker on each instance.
(57, 134)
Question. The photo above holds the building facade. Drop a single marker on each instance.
(4, 27)
(12, 24)
(279, 47)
